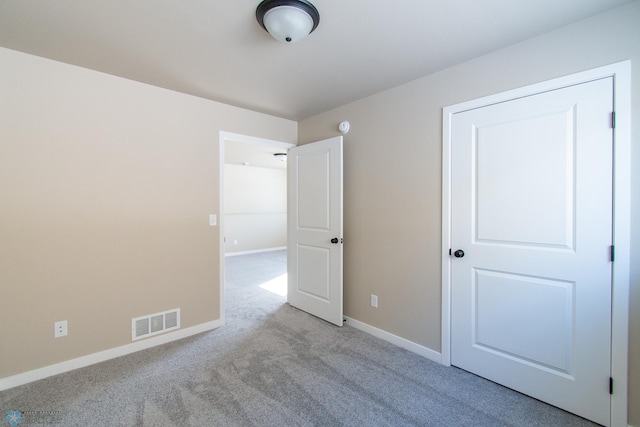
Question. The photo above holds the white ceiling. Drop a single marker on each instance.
(254, 155)
(215, 48)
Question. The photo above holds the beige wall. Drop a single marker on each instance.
(255, 205)
(392, 163)
(106, 186)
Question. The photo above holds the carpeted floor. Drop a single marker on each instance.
(273, 365)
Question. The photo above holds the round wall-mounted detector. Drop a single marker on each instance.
(343, 127)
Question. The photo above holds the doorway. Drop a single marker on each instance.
(253, 196)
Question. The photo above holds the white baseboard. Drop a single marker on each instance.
(396, 340)
(256, 251)
(90, 359)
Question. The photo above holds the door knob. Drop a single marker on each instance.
(334, 240)
(459, 253)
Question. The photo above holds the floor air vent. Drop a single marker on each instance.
(153, 324)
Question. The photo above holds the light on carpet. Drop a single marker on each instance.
(277, 286)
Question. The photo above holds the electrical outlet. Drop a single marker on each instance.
(60, 329)
(374, 301)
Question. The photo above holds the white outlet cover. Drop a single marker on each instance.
(60, 329)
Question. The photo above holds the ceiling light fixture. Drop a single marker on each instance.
(281, 156)
(288, 20)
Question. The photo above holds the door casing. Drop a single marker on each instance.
(621, 73)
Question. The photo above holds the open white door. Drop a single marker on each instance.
(314, 249)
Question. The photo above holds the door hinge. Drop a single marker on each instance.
(612, 251)
(449, 251)
(613, 119)
(610, 385)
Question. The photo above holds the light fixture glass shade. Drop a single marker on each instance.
(288, 21)
(288, 24)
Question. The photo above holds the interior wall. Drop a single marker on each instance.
(106, 187)
(255, 204)
(393, 174)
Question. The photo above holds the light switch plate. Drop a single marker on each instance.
(213, 220)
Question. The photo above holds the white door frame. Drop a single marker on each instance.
(621, 73)
(236, 137)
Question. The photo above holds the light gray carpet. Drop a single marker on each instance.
(272, 365)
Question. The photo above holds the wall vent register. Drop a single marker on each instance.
(154, 324)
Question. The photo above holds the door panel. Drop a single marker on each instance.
(532, 211)
(314, 279)
(507, 304)
(314, 219)
(504, 168)
(313, 180)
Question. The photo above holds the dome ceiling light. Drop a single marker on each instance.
(288, 20)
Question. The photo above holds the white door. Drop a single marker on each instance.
(314, 249)
(532, 219)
